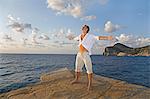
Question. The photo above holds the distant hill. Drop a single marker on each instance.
(123, 50)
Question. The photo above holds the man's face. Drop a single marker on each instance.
(84, 29)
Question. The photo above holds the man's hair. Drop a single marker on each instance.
(87, 27)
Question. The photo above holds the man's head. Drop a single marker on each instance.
(85, 29)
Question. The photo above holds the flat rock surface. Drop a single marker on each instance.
(56, 85)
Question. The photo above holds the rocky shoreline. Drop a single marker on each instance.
(56, 85)
(123, 50)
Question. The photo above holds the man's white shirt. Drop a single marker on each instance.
(87, 42)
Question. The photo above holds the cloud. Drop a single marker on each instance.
(24, 40)
(19, 27)
(133, 41)
(69, 34)
(60, 37)
(63, 43)
(61, 33)
(72, 8)
(110, 27)
(44, 37)
(16, 25)
(143, 41)
(36, 29)
(124, 38)
(88, 18)
(34, 36)
(75, 8)
(7, 38)
(11, 18)
(36, 41)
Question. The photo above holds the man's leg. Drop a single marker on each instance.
(89, 80)
(88, 65)
(78, 67)
(77, 75)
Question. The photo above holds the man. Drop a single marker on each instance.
(86, 42)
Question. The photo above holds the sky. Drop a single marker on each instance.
(42, 26)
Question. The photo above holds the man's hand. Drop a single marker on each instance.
(70, 37)
(110, 38)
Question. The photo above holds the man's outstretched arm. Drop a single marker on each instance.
(105, 38)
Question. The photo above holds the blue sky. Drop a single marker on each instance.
(127, 20)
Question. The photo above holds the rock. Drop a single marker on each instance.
(123, 50)
(56, 85)
(58, 74)
(122, 54)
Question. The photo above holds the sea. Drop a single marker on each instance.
(20, 70)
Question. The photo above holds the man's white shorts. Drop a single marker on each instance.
(82, 59)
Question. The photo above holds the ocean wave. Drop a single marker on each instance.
(11, 62)
(3, 67)
(7, 74)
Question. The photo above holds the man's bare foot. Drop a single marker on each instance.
(74, 81)
(89, 87)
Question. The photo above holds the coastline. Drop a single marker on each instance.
(56, 85)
